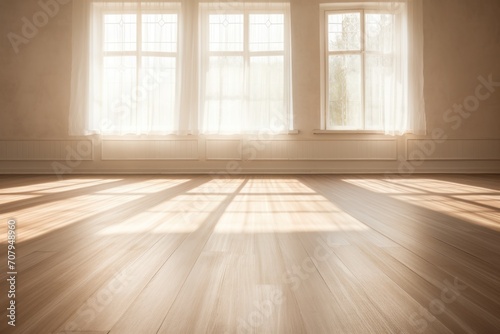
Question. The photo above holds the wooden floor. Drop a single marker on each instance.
(253, 254)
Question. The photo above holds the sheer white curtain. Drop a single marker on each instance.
(245, 67)
(394, 84)
(128, 68)
(180, 67)
(375, 66)
(401, 99)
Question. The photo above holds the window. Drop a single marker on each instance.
(132, 68)
(359, 69)
(366, 69)
(182, 67)
(245, 68)
(134, 74)
(138, 71)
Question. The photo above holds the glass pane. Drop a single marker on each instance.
(379, 91)
(119, 83)
(344, 32)
(266, 77)
(224, 95)
(266, 106)
(120, 32)
(267, 32)
(379, 32)
(226, 32)
(225, 77)
(159, 32)
(344, 94)
(157, 94)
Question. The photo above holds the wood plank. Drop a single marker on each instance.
(184, 254)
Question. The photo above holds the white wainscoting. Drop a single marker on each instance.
(200, 155)
(150, 150)
(46, 150)
(229, 149)
(453, 149)
(339, 149)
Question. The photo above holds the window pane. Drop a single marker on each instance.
(379, 32)
(159, 32)
(266, 93)
(119, 82)
(267, 32)
(266, 77)
(344, 95)
(226, 32)
(344, 32)
(120, 32)
(379, 89)
(157, 94)
(224, 95)
(225, 77)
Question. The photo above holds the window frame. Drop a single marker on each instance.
(339, 8)
(245, 9)
(138, 53)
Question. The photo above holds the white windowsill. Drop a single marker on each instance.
(327, 132)
(187, 136)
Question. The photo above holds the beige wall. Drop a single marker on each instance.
(462, 42)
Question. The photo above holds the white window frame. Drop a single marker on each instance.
(246, 10)
(138, 53)
(339, 8)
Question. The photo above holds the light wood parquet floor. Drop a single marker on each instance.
(253, 254)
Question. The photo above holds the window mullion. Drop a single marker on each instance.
(246, 60)
(118, 53)
(326, 98)
(246, 33)
(246, 49)
(363, 73)
(138, 56)
(139, 37)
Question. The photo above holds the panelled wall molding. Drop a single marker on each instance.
(452, 149)
(223, 149)
(303, 150)
(209, 155)
(325, 150)
(149, 150)
(46, 150)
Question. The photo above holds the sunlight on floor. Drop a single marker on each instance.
(275, 186)
(4, 199)
(180, 214)
(236, 205)
(492, 201)
(382, 186)
(470, 211)
(56, 186)
(281, 206)
(46, 218)
(76, 186)
(145, 187)
(260, 206)
(217, 186)
(442, 187)
(476, 205)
